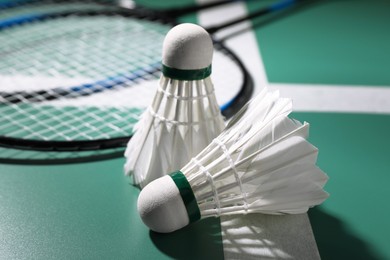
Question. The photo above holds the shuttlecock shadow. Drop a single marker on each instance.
(201, 240)
(335, 241)
(258, 236)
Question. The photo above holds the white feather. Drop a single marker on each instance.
(183, 119)
(261, 162)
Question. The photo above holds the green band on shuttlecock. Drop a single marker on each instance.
(186, 74)
(187, 195)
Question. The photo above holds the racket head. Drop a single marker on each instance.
(16, 8)
(102, 109)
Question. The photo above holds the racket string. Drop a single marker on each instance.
(89, 79)
(95, 52)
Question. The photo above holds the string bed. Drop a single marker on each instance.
(79, 80)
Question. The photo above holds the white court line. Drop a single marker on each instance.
(247, 239)
(243, 45)
(306, 97)
(244, 237)
(332, 98)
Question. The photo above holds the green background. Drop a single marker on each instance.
(87, 210)
(340, 42)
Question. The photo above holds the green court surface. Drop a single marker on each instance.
(328, 42)
(88, 210)
(341, 43)
(352, 223)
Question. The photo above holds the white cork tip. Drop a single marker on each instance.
(187, 47)
(161, 207)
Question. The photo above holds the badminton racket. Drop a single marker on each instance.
(53, 95)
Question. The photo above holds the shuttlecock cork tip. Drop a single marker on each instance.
(161, 206)
(187, 47)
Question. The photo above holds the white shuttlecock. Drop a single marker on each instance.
(184, 116)
(261, 163)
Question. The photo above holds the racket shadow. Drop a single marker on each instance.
(27, 157)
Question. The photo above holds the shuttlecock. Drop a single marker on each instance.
(261, 163)
(184, 116)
